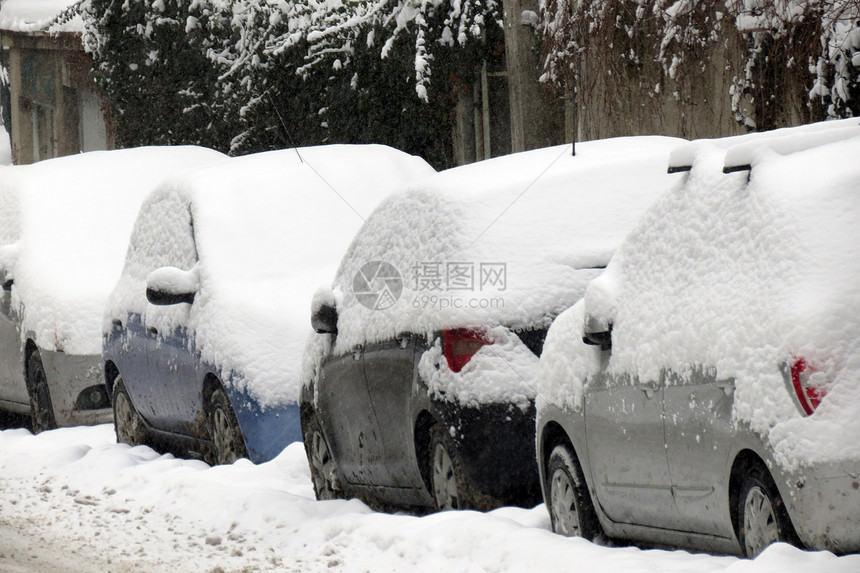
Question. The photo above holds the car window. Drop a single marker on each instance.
(163, 236)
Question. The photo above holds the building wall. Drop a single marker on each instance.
(53, 98)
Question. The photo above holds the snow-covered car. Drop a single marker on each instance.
(705, 391)
(204, 332)
(419, 385)
(64, 224)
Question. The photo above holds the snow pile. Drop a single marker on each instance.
(742, 277)
(40, 16)
(66, 224)
(509, 241)
(75, 499)
(268, 229)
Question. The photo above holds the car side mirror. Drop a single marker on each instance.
(324, 311)
(597, 332)
(324, 319)
(169, 285)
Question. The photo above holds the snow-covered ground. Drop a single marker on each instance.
(73, 500)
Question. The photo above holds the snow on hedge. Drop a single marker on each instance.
(66, 224)
(508, 241)
(741, 277)
(39, 16)
(331, 27)
(268, 230)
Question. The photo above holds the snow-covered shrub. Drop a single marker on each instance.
(251, 75)
(150, 63)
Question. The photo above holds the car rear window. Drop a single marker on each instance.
(533, 338)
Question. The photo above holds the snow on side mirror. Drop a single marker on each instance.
(324, 312)
(169, 285)
(597, 332)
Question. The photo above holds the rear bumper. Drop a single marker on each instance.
(267, 431)
(497, 448)
(74, 381)
(824, 504)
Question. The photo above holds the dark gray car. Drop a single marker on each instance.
(419, 387)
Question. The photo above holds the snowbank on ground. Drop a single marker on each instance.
(66, 224)
(269, 230)
(37, 16)
(502, 241)
(76, 492)
(743, 276)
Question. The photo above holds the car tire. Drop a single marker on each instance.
(324, 474)
(228, 443)
(128, 423)
(448, 485)
(570, 507)
(41, 406)
(762, 517)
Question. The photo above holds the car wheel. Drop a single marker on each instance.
(128, 424)
(322, 464)
(571, 511)
(228, 443)
(41, 408)
(763, 518)
(448, 482)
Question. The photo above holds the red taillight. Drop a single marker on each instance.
(808, 396)
(460, 345)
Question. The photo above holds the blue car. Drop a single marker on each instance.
(204, 332)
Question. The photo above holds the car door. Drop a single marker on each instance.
(389, 367)
(624, 428)
(698, 444)
(173, 369)
(127, 348)
(347, 416)
(171, 351)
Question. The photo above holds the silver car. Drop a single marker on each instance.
(705, 391)
(64, 224)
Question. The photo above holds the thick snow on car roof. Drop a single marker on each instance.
(511, 240)
(66, 224)
(744, 272)
(270, 228)
(37, 15)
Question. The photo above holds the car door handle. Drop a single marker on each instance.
(152, 331)
(356, 353)
(727, 387)
(649, 389)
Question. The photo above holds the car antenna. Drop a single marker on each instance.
(284, 125)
